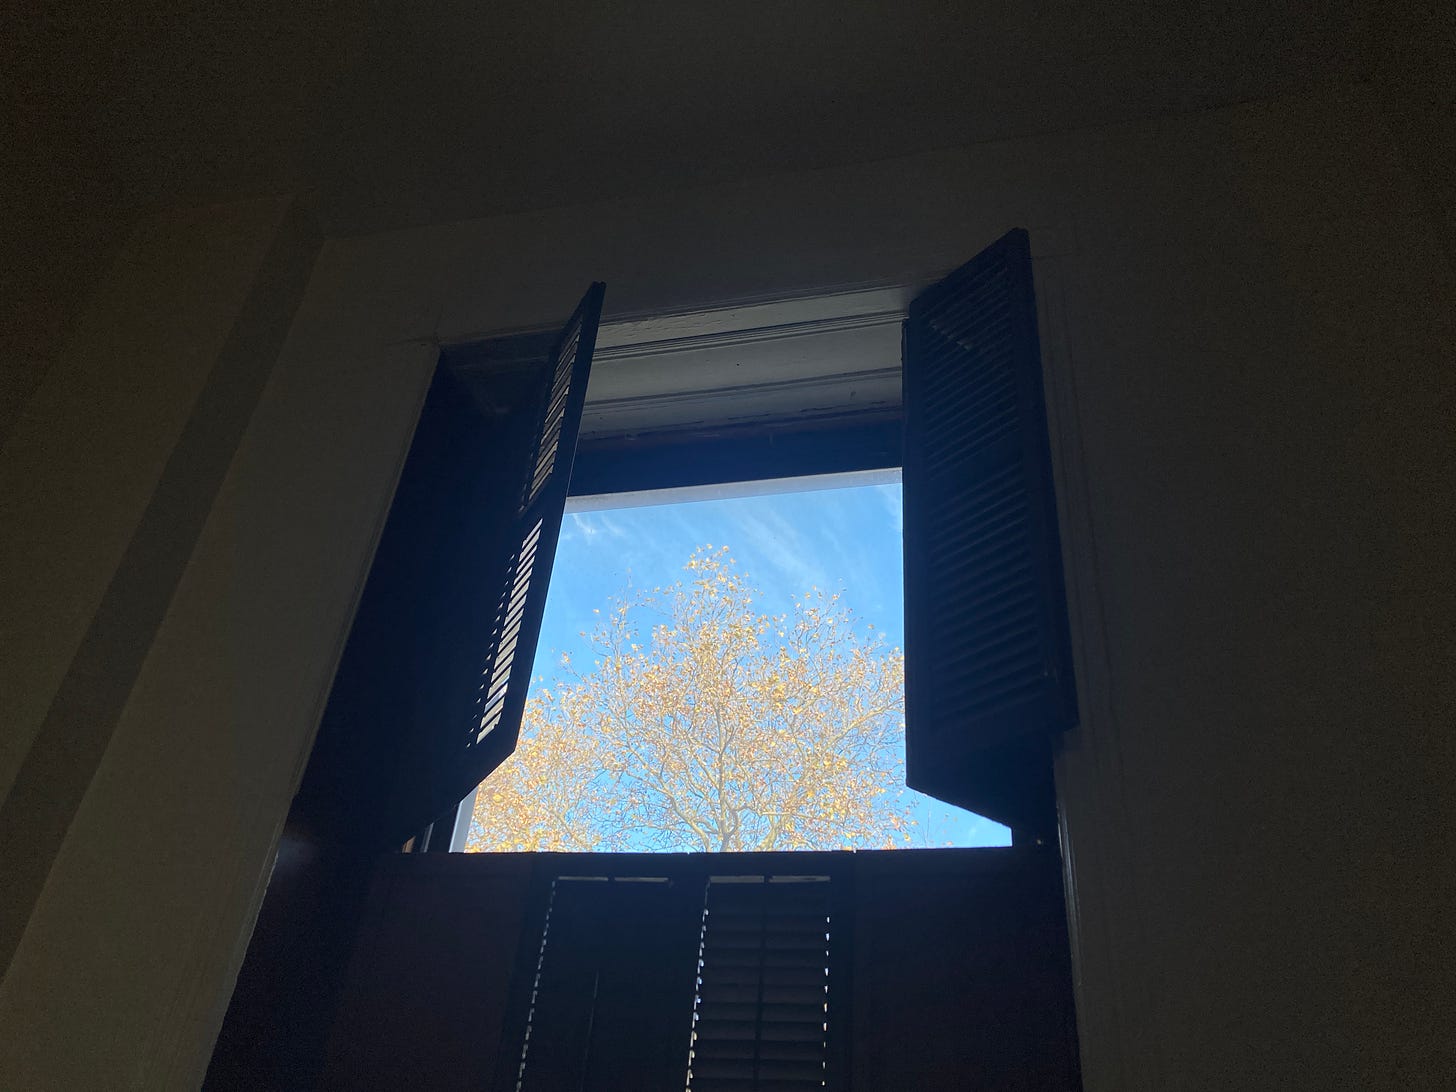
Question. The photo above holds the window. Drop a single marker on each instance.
(464, 562)
(434, 676)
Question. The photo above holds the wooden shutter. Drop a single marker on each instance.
(762, 1014)
(482, 614)
(988, 664)
(962, 974)
(610, 991)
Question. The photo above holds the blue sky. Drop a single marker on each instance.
(836, 539)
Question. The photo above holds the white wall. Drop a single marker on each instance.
(1261, 349)
(85, 456)
(1247, 329)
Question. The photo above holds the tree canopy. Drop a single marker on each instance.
(705, 724)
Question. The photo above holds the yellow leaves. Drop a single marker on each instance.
(710, 717)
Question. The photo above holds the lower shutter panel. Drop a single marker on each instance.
(761, 1017)
(610, 989)
(562, 998)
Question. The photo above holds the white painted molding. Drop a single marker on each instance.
(747, 323)
(836, 352)
(762, 487)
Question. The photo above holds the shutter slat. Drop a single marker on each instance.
(724, 1069)
(988, 660)
(726, 1050)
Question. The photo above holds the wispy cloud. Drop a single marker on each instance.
(779, 544)
(592, 524)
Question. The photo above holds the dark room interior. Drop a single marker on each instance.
(316, 321)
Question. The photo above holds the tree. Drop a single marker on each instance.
(719, 728)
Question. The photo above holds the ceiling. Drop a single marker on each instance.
(404, 112)
(396, 114)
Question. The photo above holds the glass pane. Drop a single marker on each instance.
(721, 674)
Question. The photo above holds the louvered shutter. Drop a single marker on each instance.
(486, 617)
(988, 675)
(761, 1020)
(610, 989)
